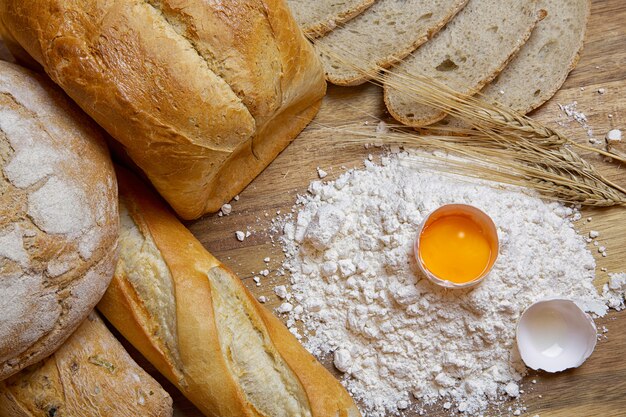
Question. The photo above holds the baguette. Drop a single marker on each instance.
(201, 95)
(91, 375)
(194, 320)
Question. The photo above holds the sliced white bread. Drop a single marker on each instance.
(466, 55)
(542, 64)
(380, 36)
(318, 17)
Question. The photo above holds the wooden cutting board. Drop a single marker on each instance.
(598, 388)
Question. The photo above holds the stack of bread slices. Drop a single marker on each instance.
(514, 53)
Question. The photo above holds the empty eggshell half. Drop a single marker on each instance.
(555, 334)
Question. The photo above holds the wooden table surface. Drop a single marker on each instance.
(598, 388)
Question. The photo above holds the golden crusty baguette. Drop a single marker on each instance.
(201, 95)
(90, 375)
(194, 320)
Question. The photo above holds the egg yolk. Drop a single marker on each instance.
(455, 248)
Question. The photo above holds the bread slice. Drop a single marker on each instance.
(542, 65)
(467, 54)
(381, 36)
(316, 18)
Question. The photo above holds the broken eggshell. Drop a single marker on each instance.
(555, 334)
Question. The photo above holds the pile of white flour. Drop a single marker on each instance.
(394, 334)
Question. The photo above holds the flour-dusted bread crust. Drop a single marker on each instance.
(201, 95)
(58, 218)
(91, 375)
(316, 18)
(466, 55)
(542, 65)
(381, 36)
(194, 320)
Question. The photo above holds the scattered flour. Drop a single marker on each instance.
(226, 209)
(285, 307)
(613, 292)
(571, 112)
(394, 334)
(281, 292)
(614, 136)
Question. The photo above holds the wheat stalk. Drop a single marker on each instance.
(491, 120)
(492, 141)
(556, 173)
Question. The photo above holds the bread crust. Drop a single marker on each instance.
(59, 221)
(571, 65)
(90, 375)
(516, 69)
(193, 90)
(369, 70)
(206, 377)
(438, 115)
(320, 27)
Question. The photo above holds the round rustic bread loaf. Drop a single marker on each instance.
(58, 218)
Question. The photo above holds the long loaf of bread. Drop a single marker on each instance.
(91, 375)
(201, 95)
(199, 326)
